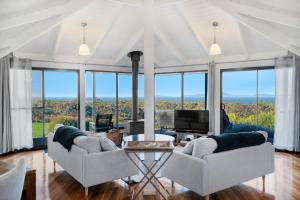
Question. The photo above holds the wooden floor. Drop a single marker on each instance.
(283, 185)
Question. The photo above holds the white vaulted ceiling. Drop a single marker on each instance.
(50, 30)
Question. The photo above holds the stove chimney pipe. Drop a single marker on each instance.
(135, 58)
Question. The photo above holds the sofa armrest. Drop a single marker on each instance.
(229, 168)
(186, 170)
(107, 166)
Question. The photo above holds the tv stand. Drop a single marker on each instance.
(195, 133)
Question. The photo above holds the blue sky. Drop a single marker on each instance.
(64, 84)
(244, 82)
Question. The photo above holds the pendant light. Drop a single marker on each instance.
(83, 49)
(215, 48)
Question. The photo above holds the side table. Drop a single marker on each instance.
(135, 147)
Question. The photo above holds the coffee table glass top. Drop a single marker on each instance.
(158, 137)
(152, 146)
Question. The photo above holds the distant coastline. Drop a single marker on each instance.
(231, 99)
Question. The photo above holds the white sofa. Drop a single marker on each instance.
(91, 168)
(219, 171)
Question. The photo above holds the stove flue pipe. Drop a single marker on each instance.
(135, 58)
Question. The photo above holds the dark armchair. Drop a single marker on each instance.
(103, 122)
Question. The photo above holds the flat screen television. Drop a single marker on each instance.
(191, 120)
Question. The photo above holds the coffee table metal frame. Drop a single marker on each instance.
(148, 171)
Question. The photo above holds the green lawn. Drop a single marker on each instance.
(37, 129)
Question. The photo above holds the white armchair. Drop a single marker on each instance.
(12, 182)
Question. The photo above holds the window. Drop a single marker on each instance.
(105, 94)
(124, 97)
(88, 98)
(180, 91)
(53, 102)
(167, 92)
(37, 104)
(194, 91)
(248, 100)
(141, 96)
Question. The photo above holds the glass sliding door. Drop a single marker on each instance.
(248, 101)
(168, 91)
(194, 91)
(53, 102)
(37, 108)
(168, 94)
(124, 98)
(141, 96)
(61, 100)
(89, 89)
(240, 98)
(105, 94)
(266, 101)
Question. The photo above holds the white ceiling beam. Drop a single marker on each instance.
(32, 15)
(105, 30)
(164, 38)
(58, 39)
(265, 28)
(194, 27)
(131, 43)
(39, 28)
(273, 13)
(242, 40)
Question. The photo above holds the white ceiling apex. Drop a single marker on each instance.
(131, 43)
(50, 29)
(194, 27)
(171, 46)
(114, 15)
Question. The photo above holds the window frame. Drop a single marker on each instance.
(257, 69)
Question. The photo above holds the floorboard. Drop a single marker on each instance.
(59, 185)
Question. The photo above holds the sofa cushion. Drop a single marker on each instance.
(204, 146)
(89, 143)
(188, 148)
(107, 144)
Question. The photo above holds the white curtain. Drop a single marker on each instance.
(20, 92)
(287, 103)
(211, 91)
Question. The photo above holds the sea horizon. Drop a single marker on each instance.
(231, 99)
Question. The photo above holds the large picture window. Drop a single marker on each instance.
(248, 99)
(52, 102)
(177, 91)
(111, 93)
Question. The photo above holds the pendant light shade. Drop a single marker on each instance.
(215, 48)
(83, 49)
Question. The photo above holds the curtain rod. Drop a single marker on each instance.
(190, 65)
(206, 63)
(68, 62)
